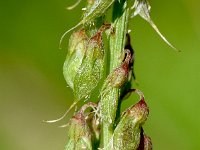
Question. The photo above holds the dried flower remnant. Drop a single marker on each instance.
(142, 7)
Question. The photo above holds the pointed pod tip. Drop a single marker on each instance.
(142, 104)
(140, 110)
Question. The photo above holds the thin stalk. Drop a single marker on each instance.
(117, 43)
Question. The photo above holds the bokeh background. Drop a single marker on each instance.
(32, 87)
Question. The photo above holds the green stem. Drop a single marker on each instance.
(117, 43)
(117, 39)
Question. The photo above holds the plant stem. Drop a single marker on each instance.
(117, 43)
(117, 40)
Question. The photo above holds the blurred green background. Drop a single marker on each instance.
(32, 87)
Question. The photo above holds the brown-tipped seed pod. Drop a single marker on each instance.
(79, 133)
(127, 133)
(118, 77)
(91, 70)
(83, 67)
(113, 82)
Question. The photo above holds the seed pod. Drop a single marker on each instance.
(83, 68)
(80, 135)
(127, 133)
(91, 69)
(76, 52)
(118, 77)
(114, 82)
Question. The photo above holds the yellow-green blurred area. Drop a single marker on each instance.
(32, 87)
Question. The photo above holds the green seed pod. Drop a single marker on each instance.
(80, 135)
(76, 53)
(127, 133)
(114, 82)
(91, 70)
(83, 68)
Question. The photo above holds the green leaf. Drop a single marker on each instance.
(79, 133)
